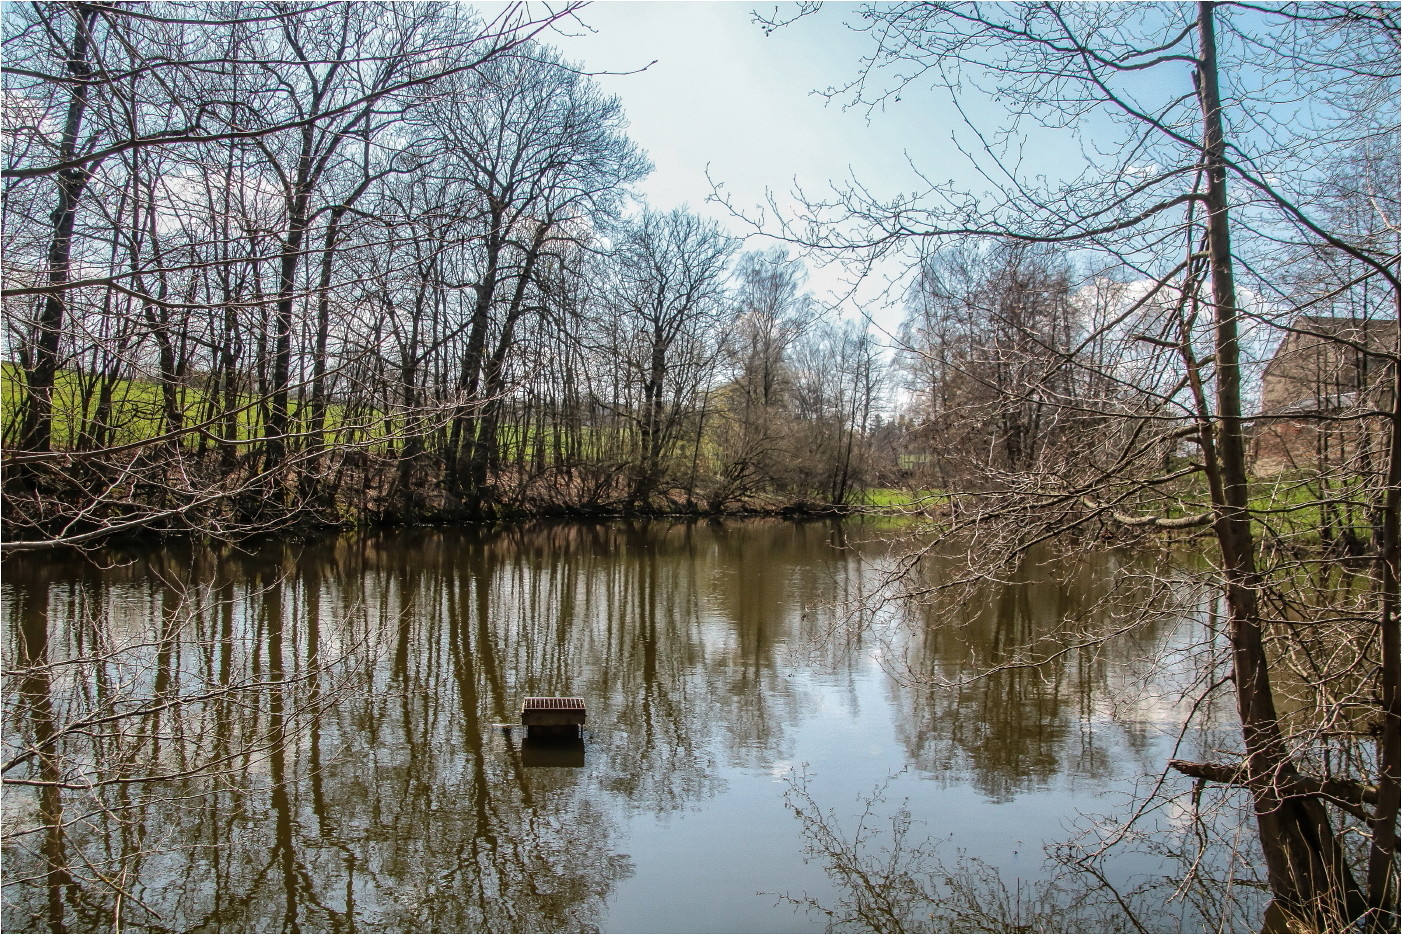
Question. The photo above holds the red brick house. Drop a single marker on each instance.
(1324, 395)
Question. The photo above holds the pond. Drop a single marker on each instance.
(320, 736)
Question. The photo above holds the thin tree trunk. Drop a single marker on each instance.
(37, 431)
(649, 470)
(1308, 874)
(1382, 858)
(279, 420)
(483, 455)
(463, 433)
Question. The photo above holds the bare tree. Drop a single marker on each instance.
(840, 386)
(661, 323)
(540, 152)
(753, 426)
(209, 162)
(1209, 179)
(987, 338)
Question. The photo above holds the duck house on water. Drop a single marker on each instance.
(553, 717)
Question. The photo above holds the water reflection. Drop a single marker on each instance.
(889, 877)
(1009, 684)
(303, 736)
(552, 751)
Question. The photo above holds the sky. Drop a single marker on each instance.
(723, 94)
(710, 93)
(720, 104)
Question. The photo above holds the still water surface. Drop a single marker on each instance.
(306, 736)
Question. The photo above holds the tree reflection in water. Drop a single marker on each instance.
(891, 875)
(302, 736)
(1050, 679)
(892, 878)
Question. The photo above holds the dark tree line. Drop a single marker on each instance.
(275, 263)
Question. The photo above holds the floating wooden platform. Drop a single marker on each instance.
(553, 715)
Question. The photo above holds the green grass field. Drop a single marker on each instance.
(1286, 506)
(897, 498)
(136, 409)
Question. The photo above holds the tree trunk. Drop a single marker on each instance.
(279, 418)
(650, 465)
(462, 435)
(482, 445)
(36, 433)
(1308, 874)
(1382, 859)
